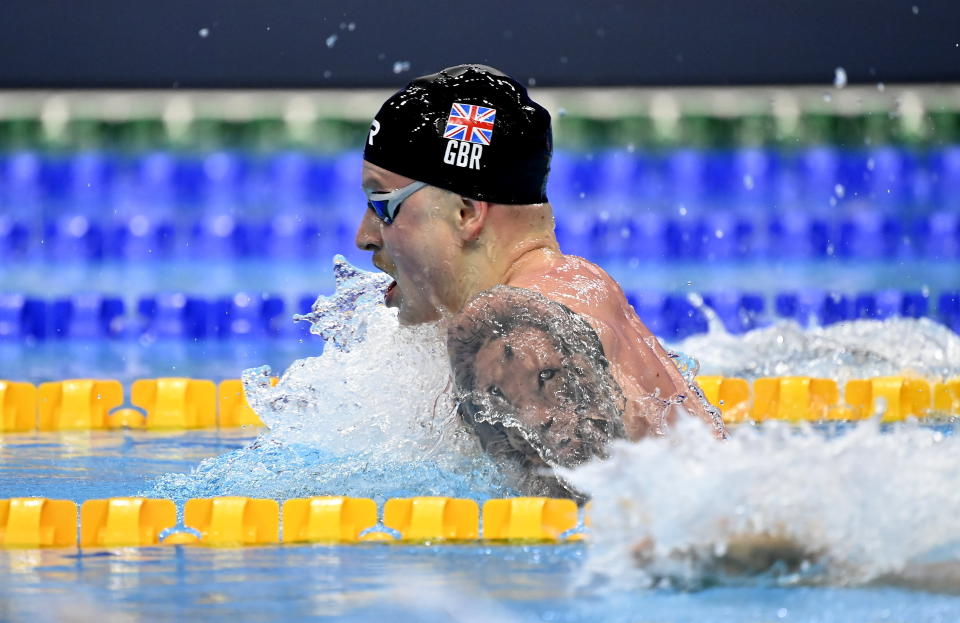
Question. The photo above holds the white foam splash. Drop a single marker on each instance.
(844, 351)
(858, 505)
(374, 415)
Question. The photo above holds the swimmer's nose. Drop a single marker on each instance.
(368, 234)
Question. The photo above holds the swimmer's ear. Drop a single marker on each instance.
(473, 216)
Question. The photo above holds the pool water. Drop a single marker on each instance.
(504, 582)
(368, 582)
(403, 584)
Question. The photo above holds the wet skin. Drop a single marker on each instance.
(444, 250)
(537, 372)
(419, 249)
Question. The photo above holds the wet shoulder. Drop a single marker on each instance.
(577, 283)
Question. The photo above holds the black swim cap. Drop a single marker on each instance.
(469, 129)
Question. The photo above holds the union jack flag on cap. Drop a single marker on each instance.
(470, 123)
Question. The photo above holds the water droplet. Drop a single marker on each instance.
(351, 26)
(881, 87)
(401, 66)
(915, 9)
(839, 77)
(327, 73)
(782, 613)
(204, 32)
(871, 164)
(827, 97)
(839, 190)
(532, 82)
(331, 40)
(748, 182)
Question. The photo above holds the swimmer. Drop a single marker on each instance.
(550, 360)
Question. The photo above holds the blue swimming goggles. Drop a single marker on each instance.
(386, 204)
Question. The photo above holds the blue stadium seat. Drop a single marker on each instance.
(797, 235)
(285, 324)
(289, 177)
(945, 169)
(140, 237)
(21, 183)
(274, 315)
(888, 173)
(684, 238)
(575, 231)
(940, 235)
(22, 317)
(218, 236)
(289, 235)
(813, 304)
(725, 236)
(87, 316)
(739, 312)
(148, 187)
(668, 316)
(753, 179)
(871, 235)
(73, 237)
(684, 318)
(686, 176)
(89, 181)
(14, 239)
(175, 315)
(337, 181)
(612, 238)
(819, 169)
(223, 175)
(948, 309)
(649, 237)
(651, 308)
(890, 303)
(244, 315)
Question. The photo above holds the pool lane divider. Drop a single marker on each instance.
(241, 521)
(155, 404)
(182, 403)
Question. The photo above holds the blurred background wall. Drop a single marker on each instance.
(373, 43)
(175, 177)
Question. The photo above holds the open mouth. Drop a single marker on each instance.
(389, 295)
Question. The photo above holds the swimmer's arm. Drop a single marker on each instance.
(642, 368)
(531, 376)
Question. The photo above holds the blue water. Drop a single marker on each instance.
(403, 584)
(353, 583)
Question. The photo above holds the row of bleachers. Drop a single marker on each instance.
(670, 316)
(722, 235)
(818, 178)
(165, 315)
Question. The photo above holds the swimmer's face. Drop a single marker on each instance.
(419, 249)
(524, 376)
